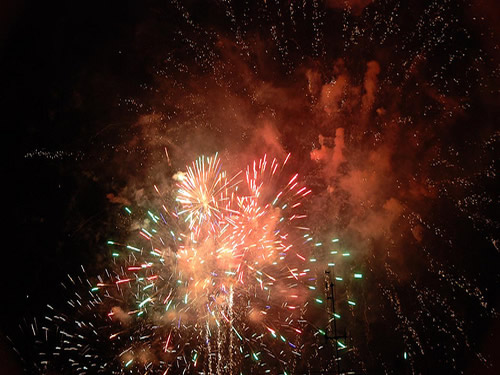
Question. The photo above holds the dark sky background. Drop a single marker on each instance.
(390, 110)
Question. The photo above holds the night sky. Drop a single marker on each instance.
(390, 111)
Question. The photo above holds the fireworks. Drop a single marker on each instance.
(203, 194)
(217, 284)
(224, 270)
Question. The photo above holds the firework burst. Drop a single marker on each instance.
(217, 287)
(203, 193)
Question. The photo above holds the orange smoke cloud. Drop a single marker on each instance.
(330, 157)
(370, 86)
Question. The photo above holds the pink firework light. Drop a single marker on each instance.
(231, 273)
